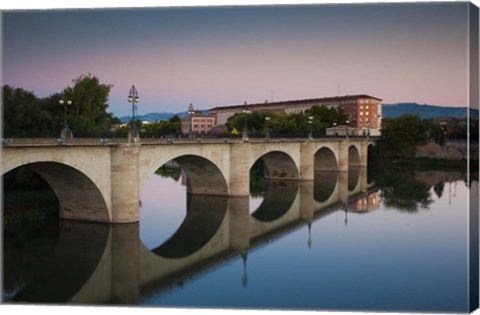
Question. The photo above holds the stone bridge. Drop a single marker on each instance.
(112, 265)
(102, 182)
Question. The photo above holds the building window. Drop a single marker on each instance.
(361, 113)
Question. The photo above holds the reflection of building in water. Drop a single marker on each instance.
(367, 204)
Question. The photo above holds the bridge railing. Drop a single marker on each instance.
(157, 141)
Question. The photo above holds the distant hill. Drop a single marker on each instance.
(153, 117)
(388, 111)
(424, 111)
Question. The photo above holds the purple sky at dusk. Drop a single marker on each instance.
(219, 56)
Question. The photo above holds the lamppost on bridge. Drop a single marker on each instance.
(335, 133)
(368, 128)
(66, 132)
(245, 128)
(346, 128)
(134, 99)
(190, 113)
(267, 133)
(310, 121)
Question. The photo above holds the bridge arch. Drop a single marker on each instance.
(353, 156)
(204, 177)
(325, 160)
(278, 165)
(78, 196)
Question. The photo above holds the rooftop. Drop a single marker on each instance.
(312, 100)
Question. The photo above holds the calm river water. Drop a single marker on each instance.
(389, 241)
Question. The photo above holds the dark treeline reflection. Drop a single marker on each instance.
(409, 190)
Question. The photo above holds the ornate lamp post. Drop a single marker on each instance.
(190, 113)
(267, 133)
(245, 129)
(134, 99)
(66, 133)
(310, 120)
(346, 129)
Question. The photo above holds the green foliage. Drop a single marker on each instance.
(257, 179)
(293, 124)
(23, 111)
(27, 115)
(401, 135)
(169, 172)
(162, 128)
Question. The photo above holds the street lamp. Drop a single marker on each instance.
(245, 129)
(133, 98)
(267, 134)
(310, 120)
(190, 113)
(335, 133)
(368, 128)
(346, 128)
(66, 133)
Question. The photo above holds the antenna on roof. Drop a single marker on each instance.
(338, 89)
(273, 96)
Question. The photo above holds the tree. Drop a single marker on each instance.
(401, 135)
(89, 105)
(24, 113)
(27, 115)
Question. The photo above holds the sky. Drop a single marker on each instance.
(221, 55)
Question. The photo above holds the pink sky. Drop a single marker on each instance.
(221, 56)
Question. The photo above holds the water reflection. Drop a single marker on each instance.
(279, 196)
(204, 216)
(109, 264)
(76, 256)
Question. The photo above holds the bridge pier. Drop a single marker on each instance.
(239, 184)
(343, 155)
(307, 161)
(125, 183)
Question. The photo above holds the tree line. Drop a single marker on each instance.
(25, 114)
(401, 135)
(287, 124)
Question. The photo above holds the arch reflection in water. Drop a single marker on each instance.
(75, 259)
(353, 178)
(204, 216)
(279, 196)
(325, 184)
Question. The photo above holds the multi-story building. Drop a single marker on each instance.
(197, 123)
(364, 111)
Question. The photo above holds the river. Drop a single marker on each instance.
(373, 241)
